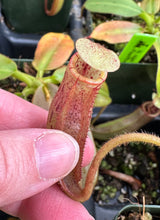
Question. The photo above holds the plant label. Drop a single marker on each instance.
(137, 47)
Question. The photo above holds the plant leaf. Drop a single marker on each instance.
(97, 56)
(55, 7)
(40, 98)
(7, 67)
(52, 51)
(115, 31)
(151, 6)
(59, 74)
(103, 97)
(156, 100)
(126, 8)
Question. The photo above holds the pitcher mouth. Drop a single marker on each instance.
(84, 72)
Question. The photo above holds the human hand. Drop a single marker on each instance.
(32, 159)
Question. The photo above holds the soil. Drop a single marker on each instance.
(137, 160)
(15, 86)
(138, 216)
(12, 85)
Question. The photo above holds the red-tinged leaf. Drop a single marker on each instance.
(52, 51)
(97, 56)
(55, 7)
(115, 31)
(151, 6)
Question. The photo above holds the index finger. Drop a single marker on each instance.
(15, 113)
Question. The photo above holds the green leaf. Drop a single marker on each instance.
(58, 74)
(7, 67)
(151, 6)
(103, 96)
(126, 8)
(156, 100)
(115, 31)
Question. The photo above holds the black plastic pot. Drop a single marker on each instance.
(113, 207)
(154, 210)
(132, 83)
(22, 23)
(20, 42)
(110, 210)
(30, 17)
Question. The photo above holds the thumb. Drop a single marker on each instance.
(31, 160)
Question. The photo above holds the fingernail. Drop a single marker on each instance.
(56, 154)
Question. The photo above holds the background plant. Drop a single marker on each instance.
(113, 32)
(145, 23)
(71, 110)
(50, 62)
(52, 51)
